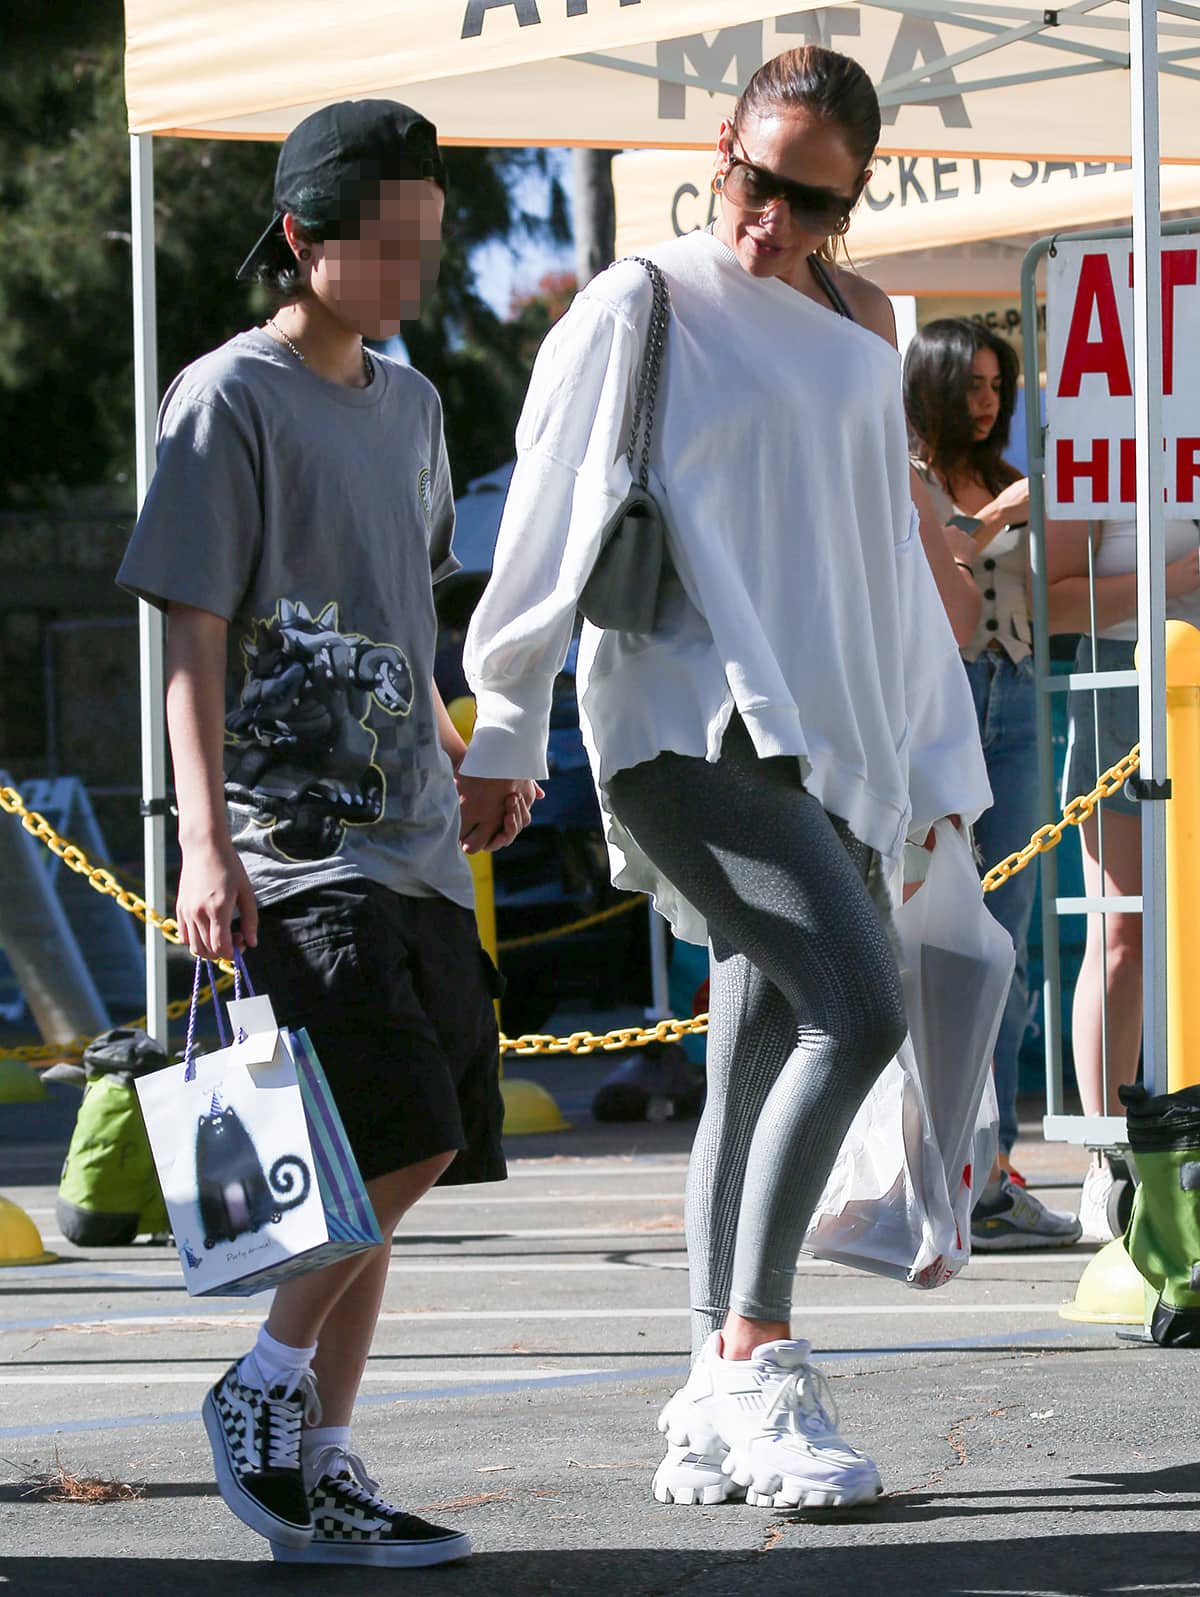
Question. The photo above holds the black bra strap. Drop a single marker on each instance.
(825, 279)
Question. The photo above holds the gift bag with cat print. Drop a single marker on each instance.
(259, 1180)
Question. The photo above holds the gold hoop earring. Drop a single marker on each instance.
(718, 182)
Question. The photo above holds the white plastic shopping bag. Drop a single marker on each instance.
(259, 1180)
(898, 1200)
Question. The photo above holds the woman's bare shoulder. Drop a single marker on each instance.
(870, 305)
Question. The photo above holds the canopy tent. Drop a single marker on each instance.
(956, 78)
(966, 76)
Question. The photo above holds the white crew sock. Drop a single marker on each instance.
(314, 1437)
(270, 1363)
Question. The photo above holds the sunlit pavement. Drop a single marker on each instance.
(531, 1331)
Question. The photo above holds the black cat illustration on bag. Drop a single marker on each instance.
(236, 1195)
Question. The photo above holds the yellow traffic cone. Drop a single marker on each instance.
(20, 1239)
(1110, 1290)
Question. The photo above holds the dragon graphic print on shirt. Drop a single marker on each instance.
(300, 747)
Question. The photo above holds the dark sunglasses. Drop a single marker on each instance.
(754, 188)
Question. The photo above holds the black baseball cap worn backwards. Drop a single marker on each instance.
(329, 158)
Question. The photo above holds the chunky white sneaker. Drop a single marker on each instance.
(352, 1524)
(685, 1476)
(1093, 1201)
(255, 1439)
(775, 1419)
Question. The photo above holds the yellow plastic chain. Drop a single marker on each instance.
(529, 1043)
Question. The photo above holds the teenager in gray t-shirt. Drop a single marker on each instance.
(312, 516)
(300, 514)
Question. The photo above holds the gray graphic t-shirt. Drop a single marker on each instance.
(315, 519)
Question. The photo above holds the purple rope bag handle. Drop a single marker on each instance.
(241, 978)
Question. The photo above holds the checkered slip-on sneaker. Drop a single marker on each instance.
(255, 1440)
(352, 1524)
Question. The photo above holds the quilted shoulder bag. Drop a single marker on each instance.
(623, 592)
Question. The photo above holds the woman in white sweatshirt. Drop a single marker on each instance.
(762, 754)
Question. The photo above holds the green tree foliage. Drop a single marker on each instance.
(66, 380)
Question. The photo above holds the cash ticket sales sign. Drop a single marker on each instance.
(1090, 463)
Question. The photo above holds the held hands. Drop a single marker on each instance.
(493, 809)
(214, 890)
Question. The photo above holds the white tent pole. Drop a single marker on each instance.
(1151, 583)
(151, 632)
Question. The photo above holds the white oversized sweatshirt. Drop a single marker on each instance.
(804, 598)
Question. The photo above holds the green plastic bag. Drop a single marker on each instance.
(1163, 1236)
(108, 1193)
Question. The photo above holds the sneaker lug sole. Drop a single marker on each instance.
(696, 1497)
(814, 1499)
(790, 1491)
(235, 1496)
(1021, 1241)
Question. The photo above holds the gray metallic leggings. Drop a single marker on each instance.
(806, 1006)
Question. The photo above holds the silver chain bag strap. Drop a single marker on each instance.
(622, 593)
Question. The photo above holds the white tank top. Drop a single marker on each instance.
(1117, 555)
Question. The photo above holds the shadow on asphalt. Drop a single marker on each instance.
(1086, 1565)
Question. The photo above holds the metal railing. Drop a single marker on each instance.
(1101, 1130)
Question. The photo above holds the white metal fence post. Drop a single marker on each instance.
(151, 630)
(1151, 578)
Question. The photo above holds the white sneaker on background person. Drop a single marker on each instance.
(1007, 1218)
(771, 1421)
(1093, 1200)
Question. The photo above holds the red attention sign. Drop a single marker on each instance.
(1090, 468)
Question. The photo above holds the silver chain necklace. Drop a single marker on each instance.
(368, 367)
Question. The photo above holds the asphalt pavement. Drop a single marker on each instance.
(530, 1333)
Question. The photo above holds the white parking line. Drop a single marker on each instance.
(518, 1265)
(520, 1316)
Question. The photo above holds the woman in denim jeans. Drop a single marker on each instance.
(960, 384)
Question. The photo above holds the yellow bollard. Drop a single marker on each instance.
(528, 1107)
(1183, 855)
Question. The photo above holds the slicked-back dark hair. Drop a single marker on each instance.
(831, 86)
(937, 382)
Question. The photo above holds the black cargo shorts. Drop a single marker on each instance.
(396, 994)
